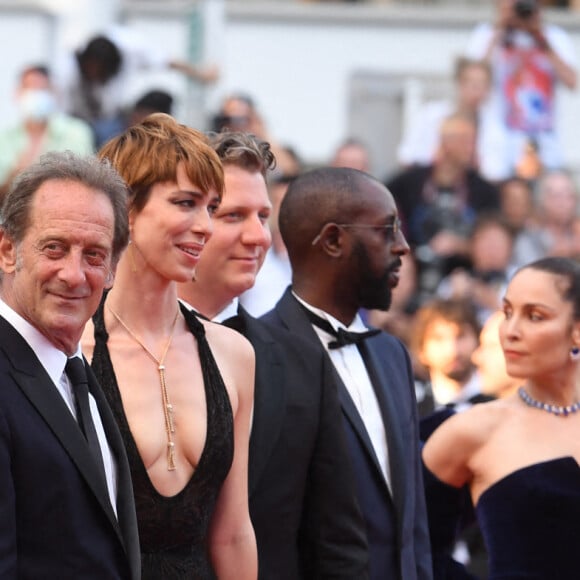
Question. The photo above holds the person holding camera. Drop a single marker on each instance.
(529, 58)
(440, 202)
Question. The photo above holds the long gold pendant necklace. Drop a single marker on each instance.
(160, 362)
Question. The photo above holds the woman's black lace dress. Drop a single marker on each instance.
(173, 530)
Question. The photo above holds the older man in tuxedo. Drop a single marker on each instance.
(66, 506)
(344, 241)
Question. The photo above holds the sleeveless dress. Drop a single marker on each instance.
(530, 520)
(173, 530)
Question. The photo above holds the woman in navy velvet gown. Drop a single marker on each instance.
(520, 455)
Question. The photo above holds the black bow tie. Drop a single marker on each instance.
(342, 337)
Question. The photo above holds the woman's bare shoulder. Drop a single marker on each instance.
(449, 451)
(477, 423)
(224, 340)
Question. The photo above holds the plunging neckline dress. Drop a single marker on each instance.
(173, 530)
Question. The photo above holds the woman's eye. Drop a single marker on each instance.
(185, 203)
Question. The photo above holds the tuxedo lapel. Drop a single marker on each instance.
(127, 521)
(269, 398)
(39, 389)
(381, 378)
(350, 411)
(290, 312)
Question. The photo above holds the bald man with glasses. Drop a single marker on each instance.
(338, 267)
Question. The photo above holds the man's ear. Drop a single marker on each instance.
(332, 240)
(7, 253)
(110, 279)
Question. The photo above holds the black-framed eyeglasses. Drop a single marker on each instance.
(393, 228)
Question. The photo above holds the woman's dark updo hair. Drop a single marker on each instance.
(568, 269)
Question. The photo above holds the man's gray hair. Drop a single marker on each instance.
(89, 171)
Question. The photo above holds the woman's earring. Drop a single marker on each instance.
(575, 354)
(131, 257)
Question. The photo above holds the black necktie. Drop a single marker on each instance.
(76, 372)
(342, 337)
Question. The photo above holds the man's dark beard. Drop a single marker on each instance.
(374, 292)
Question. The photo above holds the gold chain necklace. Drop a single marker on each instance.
(160, 362)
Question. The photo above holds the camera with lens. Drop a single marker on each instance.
(525, 9)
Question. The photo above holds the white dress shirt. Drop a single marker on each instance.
(272, 280)
(352, 370)
(230, 310)
(53, 362)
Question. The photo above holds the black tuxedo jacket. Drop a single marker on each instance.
(301, 485)
(396, 523)
(56, 520)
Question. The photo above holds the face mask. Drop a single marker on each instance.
(36, 104)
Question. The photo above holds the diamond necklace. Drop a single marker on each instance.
(554, 409)
(160, 362)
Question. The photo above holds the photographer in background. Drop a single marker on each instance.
(529, 58)
(440, 202)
